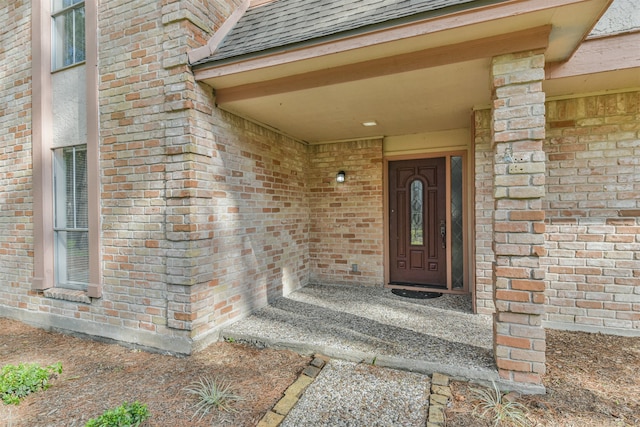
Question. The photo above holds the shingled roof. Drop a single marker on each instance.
(283, 23)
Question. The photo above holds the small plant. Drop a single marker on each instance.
(502, 411)
(212, 394)
(17, 382)
(125, 415)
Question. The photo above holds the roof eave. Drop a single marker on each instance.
(397, 31)
(367, 29)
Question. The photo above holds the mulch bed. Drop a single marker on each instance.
(592, 380)
(98, 376)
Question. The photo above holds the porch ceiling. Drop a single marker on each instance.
(419, 77)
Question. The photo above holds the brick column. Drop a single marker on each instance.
(188, 183)
(518, 121)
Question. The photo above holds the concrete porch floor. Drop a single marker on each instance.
(372, 325)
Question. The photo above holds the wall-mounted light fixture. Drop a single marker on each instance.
(341, 176)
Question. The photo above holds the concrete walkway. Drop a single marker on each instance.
(374, 326)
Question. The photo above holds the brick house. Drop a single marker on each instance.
(168, 167)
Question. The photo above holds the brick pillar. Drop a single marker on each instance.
(518, 121)
(188, 183)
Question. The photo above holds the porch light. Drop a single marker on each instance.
(370, 123)
(340, 177)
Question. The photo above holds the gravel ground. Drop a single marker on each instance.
(362, 323)
(362, 395)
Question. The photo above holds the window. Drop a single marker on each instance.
(417, 221)
(71, 218)
(68, 35)
(457, 223)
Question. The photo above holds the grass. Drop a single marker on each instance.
(212, 394)
(501, 410)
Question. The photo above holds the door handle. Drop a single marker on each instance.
(443, 233)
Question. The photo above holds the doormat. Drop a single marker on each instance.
(415, 294)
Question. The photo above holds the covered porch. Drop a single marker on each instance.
(373, 325)
(413, 79)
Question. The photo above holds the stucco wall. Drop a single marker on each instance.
(622, 15)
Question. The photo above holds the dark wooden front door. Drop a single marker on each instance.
(417, 215)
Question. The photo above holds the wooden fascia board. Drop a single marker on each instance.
(529, 39)
(207, 50)
(436, 24)
(255, 3)
(588, 31)
(597, 55)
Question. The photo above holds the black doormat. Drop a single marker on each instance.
(415, 294)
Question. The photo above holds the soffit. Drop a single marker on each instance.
(324, 92)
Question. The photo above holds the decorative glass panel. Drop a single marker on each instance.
(457, 251)
(71, 219)
(417, 219)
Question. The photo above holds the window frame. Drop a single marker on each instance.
(42, 141)
(55, 40)
(60, 186)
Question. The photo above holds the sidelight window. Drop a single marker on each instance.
(457, 225)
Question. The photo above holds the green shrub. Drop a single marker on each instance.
(125, 415)
(17, 382)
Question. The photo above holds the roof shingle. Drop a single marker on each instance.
(287, 22)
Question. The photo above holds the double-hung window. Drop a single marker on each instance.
(71, 217)
(68, 33)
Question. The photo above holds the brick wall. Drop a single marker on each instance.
(16, 228)
(346, 219)
(518, 124)
(131, 92)
(260, 217)
(204, 216)
(484, 205)
(593, 206)
(204, 213)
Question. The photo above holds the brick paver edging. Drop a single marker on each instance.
(292, 394)
(438, 400)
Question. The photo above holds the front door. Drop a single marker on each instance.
(417, 222)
